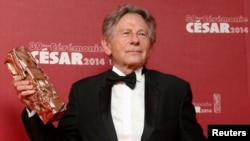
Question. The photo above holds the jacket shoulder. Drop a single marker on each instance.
(166, 77)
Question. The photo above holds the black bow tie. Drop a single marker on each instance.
(130, 80)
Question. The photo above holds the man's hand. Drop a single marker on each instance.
(25, 90)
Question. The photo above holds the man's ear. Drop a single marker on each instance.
(106, 46)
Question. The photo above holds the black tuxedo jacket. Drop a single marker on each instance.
(169, 113)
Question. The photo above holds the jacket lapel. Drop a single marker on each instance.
(151, 104)
(105, 103)
(152, 96)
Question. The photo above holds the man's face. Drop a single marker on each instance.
(129, 45)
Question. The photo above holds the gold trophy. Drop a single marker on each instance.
(47, 103)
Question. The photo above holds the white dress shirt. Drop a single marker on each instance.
(127, 108)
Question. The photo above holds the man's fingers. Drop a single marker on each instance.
(21, 82)
(17, 78)
(24, 87)
(26, 93)
(28, 103)
(26, 97)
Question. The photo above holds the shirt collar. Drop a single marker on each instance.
(138, 72)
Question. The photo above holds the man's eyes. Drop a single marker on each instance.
(126, 33)
(142, 34)
(138, 34)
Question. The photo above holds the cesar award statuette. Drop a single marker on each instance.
(47, 103)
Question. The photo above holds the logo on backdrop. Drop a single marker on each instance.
(216, 24)
(67, 54)
(209, 107)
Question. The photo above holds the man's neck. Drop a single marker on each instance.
(122, 73)
(127, 70)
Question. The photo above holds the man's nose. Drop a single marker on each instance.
(135, 38)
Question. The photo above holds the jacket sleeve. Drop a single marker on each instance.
(191, 130)
(65, 131)
(34, 127)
